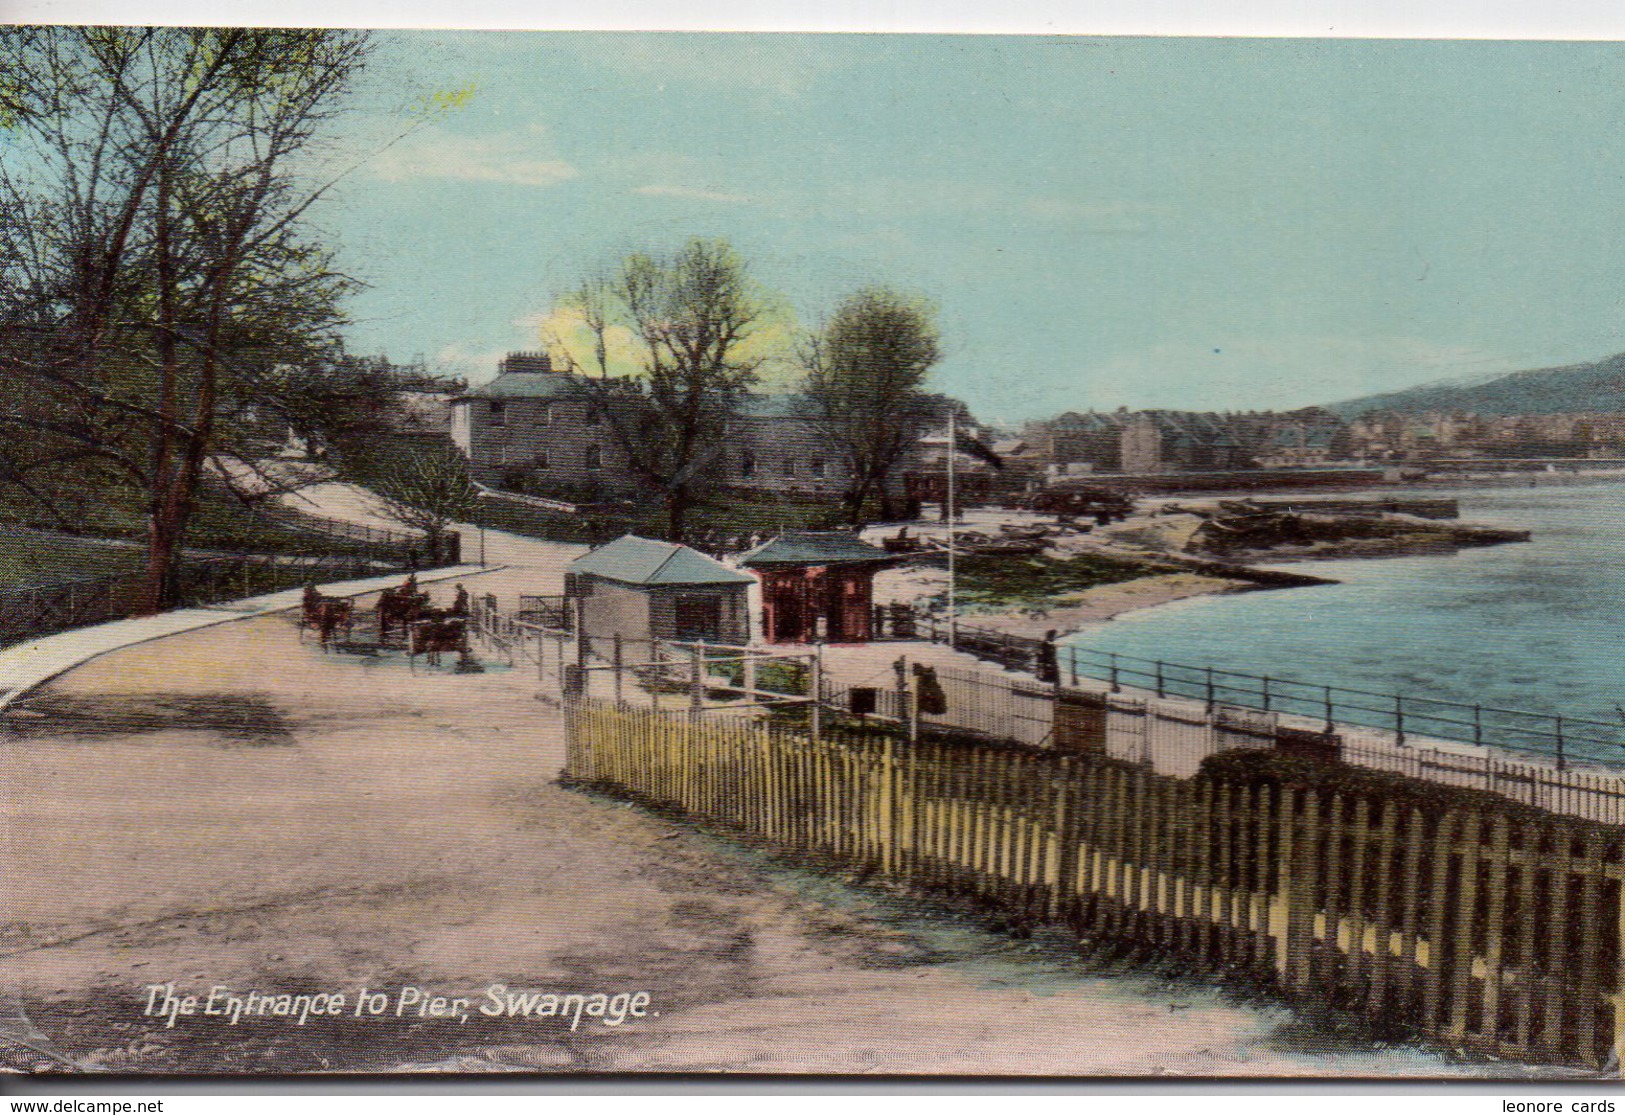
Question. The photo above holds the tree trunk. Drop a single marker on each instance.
(677, 505)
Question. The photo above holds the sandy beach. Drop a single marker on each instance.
(1160, 532)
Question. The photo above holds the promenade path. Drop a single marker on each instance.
(229, 807)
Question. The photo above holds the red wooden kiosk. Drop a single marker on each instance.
(817, 586)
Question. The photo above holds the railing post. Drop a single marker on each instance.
(1478, 725)
(1560, 760)
(1210, 701)
(1159, 679)
(1399, 718)
(1115, 687)
(1072, 660)
(617, 661)
(815, 689)
(696, 678)
(911, 681)
(1331, 721)
(901, 669)
(1264, 691)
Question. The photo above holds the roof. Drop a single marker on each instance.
(528, 385)
(643, 561)
(753, 405)
(810, 547)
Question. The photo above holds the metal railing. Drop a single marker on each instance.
(1406, 715)
(35, 611)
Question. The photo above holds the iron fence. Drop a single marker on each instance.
(1406, 715)
(35, 611)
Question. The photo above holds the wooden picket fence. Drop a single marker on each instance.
(1470, 921)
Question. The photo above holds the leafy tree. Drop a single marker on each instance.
(428, 491)
(692, 315)
(865, 374)
(154, 272)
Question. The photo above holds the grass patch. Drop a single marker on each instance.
(727, 514)
(29, 558)
(1031, 581)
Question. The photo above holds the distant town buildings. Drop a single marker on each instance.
(1153, 441)
(537, 427)
(1393, 435)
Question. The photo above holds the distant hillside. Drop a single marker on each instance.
(1578, 387)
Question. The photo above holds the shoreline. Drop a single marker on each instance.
(1183, 576)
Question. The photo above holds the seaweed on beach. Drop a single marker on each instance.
(1028, 581)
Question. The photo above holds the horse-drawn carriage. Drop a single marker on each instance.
(424, 628)
(406, 617)
(326, 614)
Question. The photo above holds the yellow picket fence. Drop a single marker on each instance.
(1472, 921)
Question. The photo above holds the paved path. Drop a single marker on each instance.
(27, 665)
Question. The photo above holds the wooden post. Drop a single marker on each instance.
(696, 678)
(618, 665)
(815, 691)
(581, 634)
(749, 680)
(911, 705)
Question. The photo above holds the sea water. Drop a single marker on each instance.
(1538, 625)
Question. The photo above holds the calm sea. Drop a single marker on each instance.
(1537, 625)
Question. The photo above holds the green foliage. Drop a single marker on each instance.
(427, 489)
(865, 374)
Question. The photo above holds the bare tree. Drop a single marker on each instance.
(865, 374)
(690, 314)
(152, 249)
(428, 491)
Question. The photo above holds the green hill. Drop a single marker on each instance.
(1577, 387)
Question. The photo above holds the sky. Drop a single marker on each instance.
(1101, 222)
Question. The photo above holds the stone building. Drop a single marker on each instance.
(641, 589)
(544, 429)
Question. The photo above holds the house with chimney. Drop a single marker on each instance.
(541, 427)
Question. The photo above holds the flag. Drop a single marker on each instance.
(978, 449)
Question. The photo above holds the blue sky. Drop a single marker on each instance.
(1210, 223)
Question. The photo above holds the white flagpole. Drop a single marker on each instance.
(952, 509)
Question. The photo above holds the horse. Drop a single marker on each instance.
(326, 614)
(437, 633)
(398, 607)
(332, 615)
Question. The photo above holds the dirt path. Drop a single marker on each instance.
(231, 807)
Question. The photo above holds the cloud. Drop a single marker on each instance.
(693, 194)
(510, 158)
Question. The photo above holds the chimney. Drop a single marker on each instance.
(525, 362)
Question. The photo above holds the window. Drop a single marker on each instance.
(593, 458)
(816, 467)
(698, 617)
(747, 465)
(497, 412)
(789, 466)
